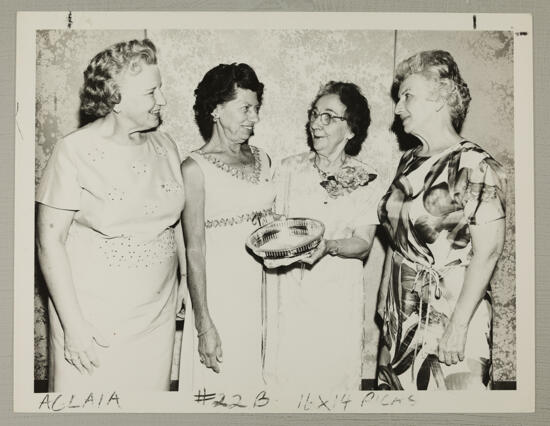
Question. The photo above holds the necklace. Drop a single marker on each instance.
(346, 180)
(239, 173)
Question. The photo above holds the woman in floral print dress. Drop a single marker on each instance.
(444, 214)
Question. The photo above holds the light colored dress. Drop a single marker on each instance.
(315, 324)
(122, 255)
(233, 277)
(427, 213)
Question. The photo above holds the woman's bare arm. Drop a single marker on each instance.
(487, 245)
(195, 243)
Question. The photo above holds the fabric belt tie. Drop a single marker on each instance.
(425, 276)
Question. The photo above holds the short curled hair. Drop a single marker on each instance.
(357, 113)
(219, 86)
(440, 67)
(100, 92)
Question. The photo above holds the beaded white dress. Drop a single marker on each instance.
(122, 254)
(233, 278)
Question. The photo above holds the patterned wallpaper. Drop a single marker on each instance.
(293, 64)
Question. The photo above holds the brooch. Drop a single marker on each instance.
(346, 180)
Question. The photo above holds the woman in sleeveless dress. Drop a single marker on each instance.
(228, 188)
(444, 214)
(109, 200)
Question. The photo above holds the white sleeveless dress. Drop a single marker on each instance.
(233, 277)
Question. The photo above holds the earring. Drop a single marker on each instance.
(215, 117)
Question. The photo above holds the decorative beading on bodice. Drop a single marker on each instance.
(232, 198)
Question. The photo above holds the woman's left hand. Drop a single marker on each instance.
(452, 343)
(316, 254)
(487, 244)
(210, 349)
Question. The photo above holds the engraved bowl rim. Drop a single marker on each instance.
(306, 245)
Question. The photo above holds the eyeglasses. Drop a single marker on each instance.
(325, 117)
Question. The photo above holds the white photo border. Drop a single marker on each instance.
(520, 400)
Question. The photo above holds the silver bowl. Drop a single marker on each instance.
(286, 238)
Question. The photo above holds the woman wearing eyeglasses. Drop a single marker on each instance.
(315, 328)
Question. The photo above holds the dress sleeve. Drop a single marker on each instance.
(266, 164)
(59, 186)
(367, 205)
(175, 145)
(484, 196)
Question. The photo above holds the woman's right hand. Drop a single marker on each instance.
(80, 346)
(277, 263)
(276, 216)
(210, 348)
(311, 257)
(384, 356)
(260, 220)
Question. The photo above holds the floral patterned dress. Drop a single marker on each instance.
(314, 335)
(427, 213)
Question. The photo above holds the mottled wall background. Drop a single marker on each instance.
(293, 64)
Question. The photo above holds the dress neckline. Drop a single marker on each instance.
(234, 171)
(147, 137)
(450, 148)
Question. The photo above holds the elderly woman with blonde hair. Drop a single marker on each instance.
(109, 200)
(444, 214)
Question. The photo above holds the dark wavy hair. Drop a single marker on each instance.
(357, 113)
(440, 67)
(218, 86)
(100, 92)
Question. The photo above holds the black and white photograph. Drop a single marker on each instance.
(274, 212)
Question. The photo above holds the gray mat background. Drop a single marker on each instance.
(541, 16)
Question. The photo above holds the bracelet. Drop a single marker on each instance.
(336, 250)
(202, 333)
